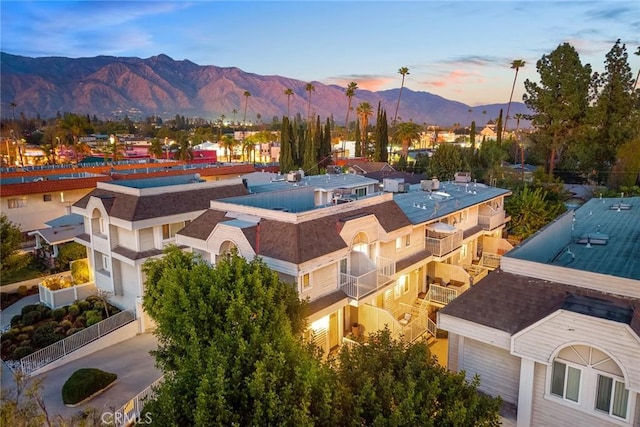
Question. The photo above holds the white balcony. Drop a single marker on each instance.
(492, 220)
(441, 295)
(440, 244)
(365, 277)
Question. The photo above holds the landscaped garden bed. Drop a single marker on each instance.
(38, 326)
(8, 298)
(85, 383)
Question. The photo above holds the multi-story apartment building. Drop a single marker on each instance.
(362, 253)
(556, 330)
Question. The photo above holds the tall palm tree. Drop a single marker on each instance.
(405, 133)
(13, 106)
(228, 142)
(364, 110)
(288, 93)
(515, 65)
(234, 112)
(404, 71)
(635, 85)
(350, 91)
(246, 94)
(309, 88)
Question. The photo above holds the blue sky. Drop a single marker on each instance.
(460, 50)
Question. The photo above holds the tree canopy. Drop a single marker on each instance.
(10, 240)
(231, 348)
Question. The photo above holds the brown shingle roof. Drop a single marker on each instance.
(297, 243)
(134, 208)
(510, 302)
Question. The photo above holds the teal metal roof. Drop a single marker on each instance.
(603, 239)
(423, 206)
(158, 182)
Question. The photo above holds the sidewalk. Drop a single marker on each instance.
(16, 308)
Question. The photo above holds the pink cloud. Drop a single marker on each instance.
(372, 83)
(455, 78)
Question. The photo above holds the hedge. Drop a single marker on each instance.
(85, 382)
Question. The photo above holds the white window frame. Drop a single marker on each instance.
(17, 202)
(615, 382)
(567, 366)
(305, 282)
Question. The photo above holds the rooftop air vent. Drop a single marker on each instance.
(596, 238)
(620, 206)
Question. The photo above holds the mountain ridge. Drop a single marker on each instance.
(110, 86)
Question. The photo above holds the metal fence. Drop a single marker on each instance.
(130, 412)
(57, 350)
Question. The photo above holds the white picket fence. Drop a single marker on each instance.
(57, 350)
(130, 411)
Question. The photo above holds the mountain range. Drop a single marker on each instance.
(111, 87)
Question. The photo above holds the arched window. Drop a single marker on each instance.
(227, 248)
(591, 379)
(98, 224)
(360, 243)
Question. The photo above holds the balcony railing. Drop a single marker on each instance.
(492, 220)
(441, 295)
(364, 284)
(442, 244)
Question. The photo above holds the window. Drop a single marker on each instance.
(361, 192)
(46, 197)
(343, 266)
(612, 397)
(61, 197)
(17, 202)
(565, 381)
(402, 286)
(305, 281)
(169, 230)
(403, 242)
(589, 379)
(106, 264)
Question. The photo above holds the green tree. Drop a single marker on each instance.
(358, 141)
(614, 119)
(229, 346)
(156, 148)
(515, 65)
(364, 111)
(530, 210)
(394, 383)
(11, 260)
(246, 95)
(405, 133)
(626, 171)
(350, 91)
(403, 71)
(446, 161)
(75, 126)
(559, 103)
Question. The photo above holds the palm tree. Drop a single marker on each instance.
(404, 71)
(364, 111)
(350, 91)
(405, 133)
(234, 112)
(635, 85)
(309, 88)
(228, 142)
(288, 93)
(13, 106)
(515, 65)
(246, 94)
(518, 117)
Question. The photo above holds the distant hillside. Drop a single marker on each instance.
(112, 87)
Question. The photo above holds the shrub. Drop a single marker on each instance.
(22, 291)
(79, 322)
(6, 343)
(73, 331)
(84, 305)
(74, 310)
(16, 320)
(93, 317)
(80, 271)
(46, 335)
(7, 336)
(27, 330)
(58, 314)
(22, 337)
(21, 352)
(31, 317)
(14, 331)
(11, 349)
(25, 343)
(83, 383)
(28, 308)
(66, 324)
(53, 283)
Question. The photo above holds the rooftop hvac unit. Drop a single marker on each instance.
(430, 184)
(403, 187)
(392, 185)
(293, 177)
(462, 177)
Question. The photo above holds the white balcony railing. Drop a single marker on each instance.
(441, 295)
(364, 284)
(442, 244)
(491, 221)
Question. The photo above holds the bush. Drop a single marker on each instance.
(29, 308)
(46, 335)
(6, 343)
(73, 331)
(27, 330)
(84, 305)
(25, 343)
(80, 271)
(93, 317)
(22, 337)
(16, 321)
(66, 324)
(7, 336)
(74, 310)
(31, 317)
(22, 291)
(83, 383)
(21, 352)
(80, 322)
(58, 314)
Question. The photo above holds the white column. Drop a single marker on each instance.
(525, 393)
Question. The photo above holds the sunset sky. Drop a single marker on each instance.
(461, 51)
